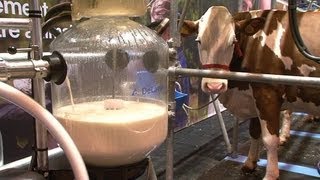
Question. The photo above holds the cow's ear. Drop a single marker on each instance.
(159, 26)
(250, 26)
(189, 27)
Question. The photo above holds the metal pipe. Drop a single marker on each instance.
(41, 131)
(170, 135)
(23, 163)
(183, 14)
(21, 68)
(256, 4)
(11, 23)
(240, 5)
(38, 87)
(235, 138)
(173, 44)
(250, 77)
(273, 4)
(151, 173)
(174, 33)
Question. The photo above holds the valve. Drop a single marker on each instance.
(14, 50)
(57, 68)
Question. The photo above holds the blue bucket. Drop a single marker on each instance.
(181, 119)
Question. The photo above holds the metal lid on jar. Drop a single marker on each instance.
(90, 8)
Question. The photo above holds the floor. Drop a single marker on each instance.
(200, 152)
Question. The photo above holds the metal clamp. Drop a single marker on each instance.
(51, 68)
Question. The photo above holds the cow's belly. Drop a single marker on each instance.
(300, 106)
(239, 103)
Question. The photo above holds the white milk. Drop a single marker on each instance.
(115, 137)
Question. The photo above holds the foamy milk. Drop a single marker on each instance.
(107, 137)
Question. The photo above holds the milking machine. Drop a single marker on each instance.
(116, 87)
(292, 10)
(109, 87)
(112, 90)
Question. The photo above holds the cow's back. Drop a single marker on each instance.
(273, 51)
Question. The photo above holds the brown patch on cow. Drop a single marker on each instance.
(268, 102)
(255, 128)
(291, 93)
(248, 170)
(236, 66)
(250, 26)
(268, 15)
(242, 15)
(268, 63)
(289, 49)
(309, 95)
(271, 17)
(189, 28)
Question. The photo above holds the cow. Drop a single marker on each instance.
(266, 39)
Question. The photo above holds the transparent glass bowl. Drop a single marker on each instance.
(114, 100)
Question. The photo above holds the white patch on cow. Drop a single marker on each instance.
(285, 128)
(305, 69)
(263, 36)
(203, 23)
(300, 106)
(253, 13)
(231, 39)
(279, 33)
(271, 143)
(216, 36)
(203, 56)
(287, 62)
(239, 103)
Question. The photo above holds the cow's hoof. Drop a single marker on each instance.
(283, 140)
(247, 170)
(270, 178)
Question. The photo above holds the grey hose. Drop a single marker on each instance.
(54, 127)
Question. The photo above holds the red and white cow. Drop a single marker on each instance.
(269, 48)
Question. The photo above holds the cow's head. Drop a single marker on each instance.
(216, 42)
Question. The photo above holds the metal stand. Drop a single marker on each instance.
(169, 140)
(151, 173)
(235, 138)
(38, 88)
(221, 122)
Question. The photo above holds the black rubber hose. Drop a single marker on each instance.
(296, 34)
(50, 23)
(57, 9)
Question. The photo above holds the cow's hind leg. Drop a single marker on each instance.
(254, 151)
(268, 103)
(285, 127)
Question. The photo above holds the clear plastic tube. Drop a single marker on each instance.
(54, 127)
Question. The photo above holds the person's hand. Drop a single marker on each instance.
(160, 9)
(247, 5)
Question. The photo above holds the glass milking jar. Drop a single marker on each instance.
(114, 99)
